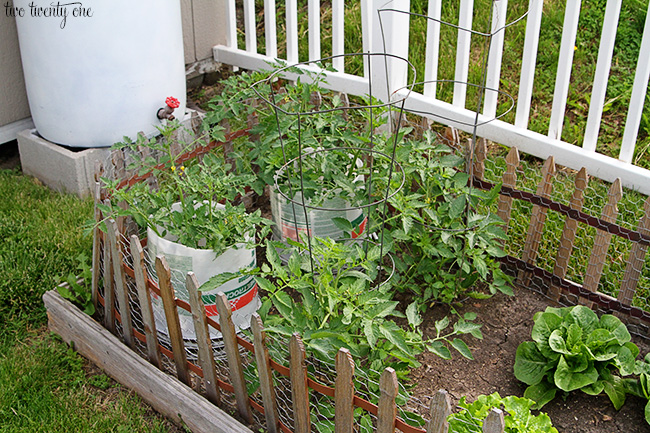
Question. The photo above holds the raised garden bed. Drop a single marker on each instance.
(293, 390)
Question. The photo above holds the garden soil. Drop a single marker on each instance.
(507, 322)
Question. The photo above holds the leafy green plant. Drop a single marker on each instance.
(194, 203)
(574, 349)
(77, 287)
(641, 387)
(448, 245)
(340, 307)
(518, 418)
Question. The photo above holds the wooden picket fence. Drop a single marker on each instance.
(120, 261)
(558, 285)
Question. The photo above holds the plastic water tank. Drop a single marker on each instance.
(101, 75)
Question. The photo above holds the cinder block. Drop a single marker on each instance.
(58, 167)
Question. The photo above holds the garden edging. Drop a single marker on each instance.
(164, 393)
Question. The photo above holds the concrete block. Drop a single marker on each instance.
(59, 167)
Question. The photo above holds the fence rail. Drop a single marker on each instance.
(391, 36)
(127, 310)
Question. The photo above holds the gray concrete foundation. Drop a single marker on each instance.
(58, 167)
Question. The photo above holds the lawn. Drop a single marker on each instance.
(45, 386)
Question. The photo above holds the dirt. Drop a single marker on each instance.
(507, 322)
(9, 157)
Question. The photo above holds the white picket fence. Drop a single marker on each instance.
(391, 35)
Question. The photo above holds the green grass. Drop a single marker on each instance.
(44, 385)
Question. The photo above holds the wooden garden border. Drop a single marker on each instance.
(116, 294)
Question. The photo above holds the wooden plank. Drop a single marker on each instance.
(344, 393)
(270, 30)
(292, 31)
(495, 56)
(569, 232)
(528, 61)
(171, 315)
(203, 341)
(313, 20)
(432, 48)
(601, 76)
(117, 160)
(235, 368)
(565, 63)
(439, 410)
(603, 239)
(119, 277)
(231, 20)
(338, 34)
(97, 244)
(163, 392)
(637, 99)
(494, 423)
(636, 260)
(266, 374)
(144, 297)
(537, 220)
(480, 153)
(250, 29)
(109, 300)
(509, 179)
(387, 409)
(465, 16)
(299, 389)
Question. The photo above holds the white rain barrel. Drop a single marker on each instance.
(91, 80)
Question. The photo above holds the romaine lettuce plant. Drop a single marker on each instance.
(574, 349)
(518, 418)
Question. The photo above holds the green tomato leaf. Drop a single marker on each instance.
(343, 224)
(442, 324)
(413, 315)
(283, 303)
(439, 349)
(462, 348)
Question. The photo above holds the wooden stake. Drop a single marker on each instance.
(97, 240)
(173, 322)
(144, 297)
(494, 423)
(439, 411)
(537, 221)
(387, 411)
(603, 239)
(299, 389)
(636, 260)
(234, 358)
(121, 289)
(344, 392)
(509, 179)
(266, 375)
(480, 153)
(109, 312)
(203, 341)
(569, 232)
